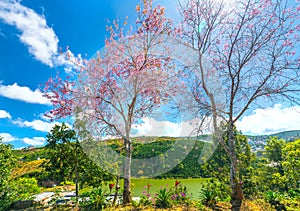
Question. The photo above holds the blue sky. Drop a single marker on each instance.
(32, 31)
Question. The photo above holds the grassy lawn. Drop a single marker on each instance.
(193, 185)
(139, 185)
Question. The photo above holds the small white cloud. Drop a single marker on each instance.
(270, 120)
(35, 141)
(40, 38)
(4, 114)
(6, 137)
(38, 125)
(24, 94)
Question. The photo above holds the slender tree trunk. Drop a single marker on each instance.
(116, 191)
(127, 172)
(76, 172)
(236, 188)
(76, 183)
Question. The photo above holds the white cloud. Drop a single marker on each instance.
(270, 120)
(23, 93)
(261, 121)
(40, 38)
(38, 125)
(35, 141)
(152, 127)
(4, 114)
(6, 137)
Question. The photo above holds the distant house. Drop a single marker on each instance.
(28, 148)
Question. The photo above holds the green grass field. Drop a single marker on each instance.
(193, 185)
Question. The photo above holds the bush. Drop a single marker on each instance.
(179, 194)
(275, 198)
(212, 192)
(97, 200)
(208, 198)
(24, 188)
(163, 198)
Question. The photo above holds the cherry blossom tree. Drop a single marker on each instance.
(251, 47)
(120, 85)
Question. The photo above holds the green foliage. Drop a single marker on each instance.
(31, 154)
(208, 197)
(190, 166)
(63, 152)
(68, 161)
(276, 172)
(23, 188)
(145, 201)
(279, 170)
(212, 192)
(97, 200)
(271, 196)
(163, 148)
(180, 194)
(218, 165)
(274, 148)
(279, 174)
(7, 162)
(291, 163)
(163, 198)
(144, 148)
(277, 200)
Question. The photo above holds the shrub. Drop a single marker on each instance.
(275, 198)
(97, 200)
(23, 188)
(212, 192)
(208, 198)
(179, 194)
(163, 198)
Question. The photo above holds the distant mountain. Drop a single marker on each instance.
(286, 135)
(258, 143)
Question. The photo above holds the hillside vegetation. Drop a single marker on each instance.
(271, 179)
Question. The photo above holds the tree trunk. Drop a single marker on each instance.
(76, 183)
(116, 191)
(127, 172)
(236, 187)
(236, 190)
(76, 172)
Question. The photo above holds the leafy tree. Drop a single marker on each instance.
(7, 162)
(274, 148)
(273, 169)
(68, 160)
(251, 46)
(63, 151)
(23, 188)
(291, 163)
(278, 169)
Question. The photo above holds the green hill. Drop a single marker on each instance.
(286, 135)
